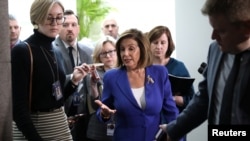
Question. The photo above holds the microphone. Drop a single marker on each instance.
(100, 87)
(160, 135)
(202, 67)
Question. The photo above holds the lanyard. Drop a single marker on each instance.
(46, 54)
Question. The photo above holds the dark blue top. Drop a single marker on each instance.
(177, 68)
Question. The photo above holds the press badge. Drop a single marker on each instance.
(111, 126)
(76, 99)
(110, 129)
(57, 92)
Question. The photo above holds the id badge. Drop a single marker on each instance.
(57, 92)
(110, 129)
(76, 99)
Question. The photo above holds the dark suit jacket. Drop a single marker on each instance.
(85, 57)
(132, 122)
(200, 107)
(80, 127)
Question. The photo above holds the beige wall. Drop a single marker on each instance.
(193, 34)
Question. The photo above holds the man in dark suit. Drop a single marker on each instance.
(79, 102)
(223, 96)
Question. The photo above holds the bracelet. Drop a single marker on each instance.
(104, 117)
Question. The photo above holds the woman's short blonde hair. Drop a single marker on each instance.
(99, 45)
(39, 10)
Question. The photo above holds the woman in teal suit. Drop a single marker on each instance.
(136, 92)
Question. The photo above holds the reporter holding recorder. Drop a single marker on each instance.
(136, 92)
(223, 97)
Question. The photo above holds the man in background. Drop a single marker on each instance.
(15, 30)
(74, 53)
(110, 27)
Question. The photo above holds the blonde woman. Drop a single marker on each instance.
(44, 118)
(105, 53)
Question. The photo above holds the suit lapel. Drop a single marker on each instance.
(124, 86)
(214, 60)
(149, 85)
(216, 56)
(83, 56)
(68, 65)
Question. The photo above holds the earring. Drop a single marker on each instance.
(35, 26)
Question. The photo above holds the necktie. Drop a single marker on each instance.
(226, 106)
(76, 95)
(71, 56)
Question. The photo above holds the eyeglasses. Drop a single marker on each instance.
(59, 20)
(110, 53)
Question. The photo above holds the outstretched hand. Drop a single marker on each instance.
(106, 112)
